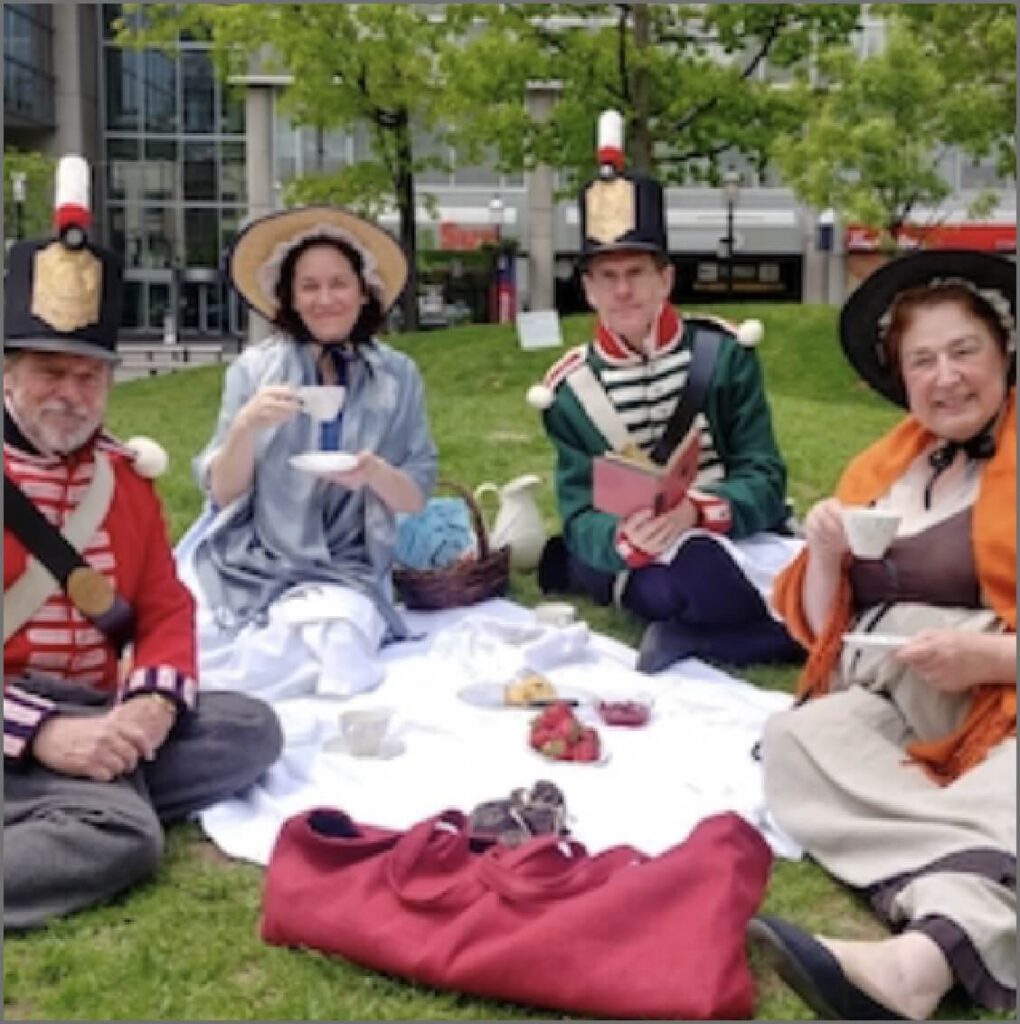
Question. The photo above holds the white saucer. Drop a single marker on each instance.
(883, 641)
(389, 748)
(324, 462)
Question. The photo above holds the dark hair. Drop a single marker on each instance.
(288, 319)
(908, 303)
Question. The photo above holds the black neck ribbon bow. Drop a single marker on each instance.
(980, 446)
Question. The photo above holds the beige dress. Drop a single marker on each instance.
(939, 859)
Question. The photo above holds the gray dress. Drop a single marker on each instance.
(291, 527)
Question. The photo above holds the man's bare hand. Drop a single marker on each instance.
(100, 747)
(149, 714)
(655, 534)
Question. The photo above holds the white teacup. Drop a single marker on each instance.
(321, 401)
(555, 613)
(870, 531)
(364, 730)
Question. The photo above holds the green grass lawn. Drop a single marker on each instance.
(186, 945)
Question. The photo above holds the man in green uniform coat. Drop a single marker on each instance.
(697, 571)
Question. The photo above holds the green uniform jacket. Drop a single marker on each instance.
(741, 425)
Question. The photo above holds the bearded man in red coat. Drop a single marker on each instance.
(104, 738)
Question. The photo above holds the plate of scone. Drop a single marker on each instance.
(525, 692)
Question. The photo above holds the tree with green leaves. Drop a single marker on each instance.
(878, 128)
(37, 209)
(974, 47)
(346, 65)
(690, 80)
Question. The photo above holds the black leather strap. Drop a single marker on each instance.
(705, 347)
(46, 543)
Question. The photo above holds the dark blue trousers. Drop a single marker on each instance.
(707, 607)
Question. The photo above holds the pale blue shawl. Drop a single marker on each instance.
(292, 527)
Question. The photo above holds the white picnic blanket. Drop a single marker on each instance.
(693, 759)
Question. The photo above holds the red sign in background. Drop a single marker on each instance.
(982, 237)
(454, 237)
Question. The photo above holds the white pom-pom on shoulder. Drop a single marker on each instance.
(750, 333)
(540, 397)
(149, 457)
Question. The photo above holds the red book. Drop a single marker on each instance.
(622, 484)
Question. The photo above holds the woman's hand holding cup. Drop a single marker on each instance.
(824, 531)
(268, 407)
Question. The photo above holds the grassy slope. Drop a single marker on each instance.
(187, 947)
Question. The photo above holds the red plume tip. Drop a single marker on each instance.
(611, 155)
(71, 215)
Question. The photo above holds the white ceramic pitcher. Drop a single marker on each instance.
(518, 520)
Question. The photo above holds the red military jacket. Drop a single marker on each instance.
(131, 548)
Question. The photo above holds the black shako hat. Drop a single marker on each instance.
(620, 211)
(863, 321)
(64, 294)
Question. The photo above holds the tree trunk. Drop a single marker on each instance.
(641, 150)
(408, 233)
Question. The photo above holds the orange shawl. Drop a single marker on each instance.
(992, 714)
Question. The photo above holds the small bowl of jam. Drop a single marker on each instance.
(629, 711)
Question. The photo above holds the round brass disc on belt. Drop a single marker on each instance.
(90, 591)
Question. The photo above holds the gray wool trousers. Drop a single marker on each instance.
(73, 842)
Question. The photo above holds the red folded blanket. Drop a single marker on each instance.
(616, 934)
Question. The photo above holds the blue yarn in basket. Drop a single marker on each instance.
(435, 537)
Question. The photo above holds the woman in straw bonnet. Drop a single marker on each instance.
(288, 563)
(900, 778)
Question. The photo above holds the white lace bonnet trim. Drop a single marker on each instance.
(994, 298)
(268, 274)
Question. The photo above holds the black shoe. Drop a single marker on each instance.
(664, 643)
(813, 972)
(553, 575)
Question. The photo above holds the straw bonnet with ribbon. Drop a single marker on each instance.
(64, 294)
(259, 251)
(865, 317)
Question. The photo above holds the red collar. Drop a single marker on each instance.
(667, 331)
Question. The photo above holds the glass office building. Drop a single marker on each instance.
(167, 141)
(174, 176)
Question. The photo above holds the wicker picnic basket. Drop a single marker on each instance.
(464, 582)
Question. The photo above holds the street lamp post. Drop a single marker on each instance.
(731, 192)
(18, 181)
(496, 209)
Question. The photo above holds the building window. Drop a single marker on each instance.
(201, 237)
(233, 184)
(160, 169)
(122, 169)
(198, 93)
(199, 171)
(160, 92)
(28, 61)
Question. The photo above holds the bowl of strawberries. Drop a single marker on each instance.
(631, 710)
(559, 735)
